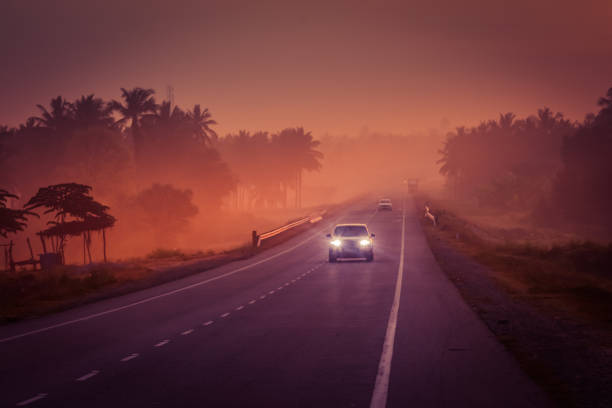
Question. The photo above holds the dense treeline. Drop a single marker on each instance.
(159, 167)
(508, 162)
(267, 166)
(132, 143)
(546, 164)
(583, 188)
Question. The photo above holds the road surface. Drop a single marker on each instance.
(285, 328)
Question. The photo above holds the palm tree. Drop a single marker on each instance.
(298, 150)
(506, 120)
(11, 221)
(60, 116)
(168, 128)
(90, 111)
(201, 120)
(166, 116)
(453, 160)
(138, 104)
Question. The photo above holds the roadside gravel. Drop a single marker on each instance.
(569, 358)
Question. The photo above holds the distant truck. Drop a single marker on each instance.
(385, 204)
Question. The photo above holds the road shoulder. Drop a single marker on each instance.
(562, 355)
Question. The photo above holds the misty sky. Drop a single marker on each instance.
(331, 66)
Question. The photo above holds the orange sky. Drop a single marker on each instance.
(331, 66)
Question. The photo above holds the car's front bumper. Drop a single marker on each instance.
(351, 251)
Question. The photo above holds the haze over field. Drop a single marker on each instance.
(247, 112)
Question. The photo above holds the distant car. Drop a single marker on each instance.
(385, 204)
(351, 241)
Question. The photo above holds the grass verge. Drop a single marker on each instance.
(577, 275)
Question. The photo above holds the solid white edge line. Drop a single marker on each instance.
(88, 375)
(162, 295)
(31, 400)
(381, 387)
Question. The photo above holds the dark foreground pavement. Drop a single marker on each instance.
(284, 328)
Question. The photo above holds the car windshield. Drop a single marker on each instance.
(350, 231)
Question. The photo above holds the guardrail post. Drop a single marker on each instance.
(254, 238)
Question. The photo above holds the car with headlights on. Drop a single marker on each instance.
(351, 241)
(385, 204)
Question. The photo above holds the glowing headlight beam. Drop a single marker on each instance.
(336, 242)
(365, 242)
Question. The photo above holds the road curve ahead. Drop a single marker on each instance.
(285, 328)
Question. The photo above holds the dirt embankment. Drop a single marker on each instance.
(549, 304)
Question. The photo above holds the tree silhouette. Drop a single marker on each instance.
(138, 103)
(89, 111)
(298, 152)
(201, 120)
(60, 116)
(507, 163)
(75, 213)
(11, 221)
(582, 188)
(166, 210)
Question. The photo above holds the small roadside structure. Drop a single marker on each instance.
(11, 222)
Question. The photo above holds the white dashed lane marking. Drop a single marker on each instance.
(88, 375)
(130, 357)
(31, 400)
(164, 342)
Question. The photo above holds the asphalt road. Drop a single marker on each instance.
(285, 328)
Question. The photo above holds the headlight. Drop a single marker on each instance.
(336, 242)
(365, 242)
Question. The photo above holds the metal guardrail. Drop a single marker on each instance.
(258, 238)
